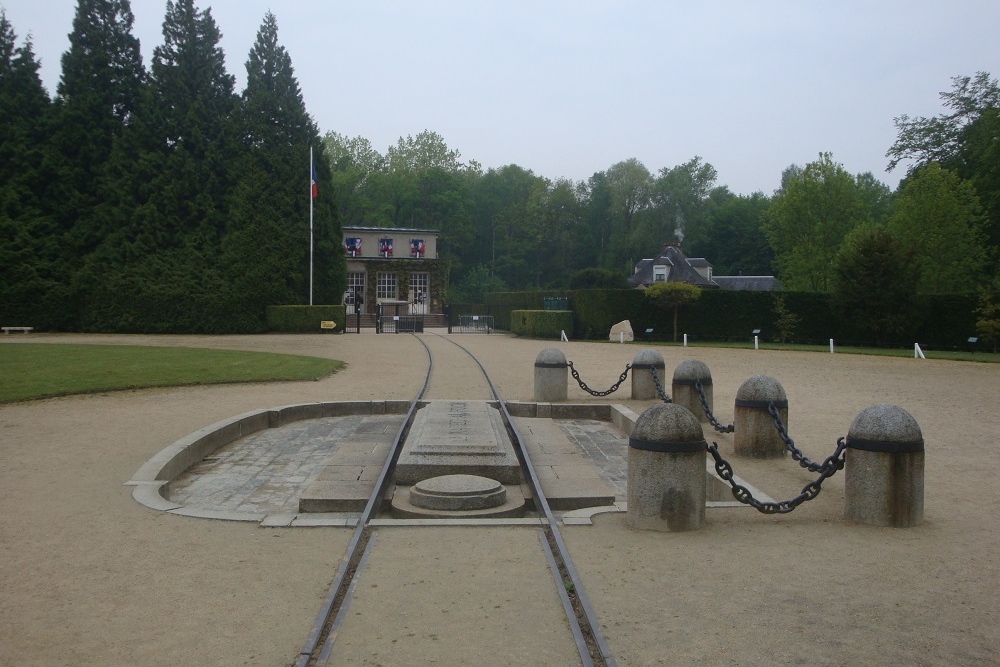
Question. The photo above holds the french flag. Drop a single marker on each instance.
(314, 188)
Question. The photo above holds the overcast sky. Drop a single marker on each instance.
(569, 88)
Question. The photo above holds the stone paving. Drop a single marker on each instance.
(606, 448)
(267, 472)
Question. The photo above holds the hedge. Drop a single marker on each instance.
(541, 323)
(304, 319)
(946, 320)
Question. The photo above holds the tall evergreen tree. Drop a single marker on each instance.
(28, 254)
(172, 174)
(98, 92)
(266, 252)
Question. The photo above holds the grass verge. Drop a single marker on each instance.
(30, 371)
(929, 353)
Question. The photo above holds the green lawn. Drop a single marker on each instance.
(29, 370)
(930, 353)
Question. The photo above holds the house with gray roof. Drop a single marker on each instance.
(672, 265)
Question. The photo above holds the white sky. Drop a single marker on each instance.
(568, 88)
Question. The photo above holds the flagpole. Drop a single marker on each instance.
(312, 181)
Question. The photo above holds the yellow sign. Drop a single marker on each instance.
(327, 324)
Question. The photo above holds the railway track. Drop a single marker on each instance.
(581, 619)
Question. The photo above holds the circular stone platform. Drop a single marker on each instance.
(458, 492)
(457, 496)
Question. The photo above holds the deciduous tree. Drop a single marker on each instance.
(939, 214)
(809, 218)
(672, 295)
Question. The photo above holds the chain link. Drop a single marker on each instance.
(708, 411)
(797, 454)
(831, 465)
(659, 388)
(583, 385)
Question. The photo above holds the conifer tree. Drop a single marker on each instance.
(266, 253)
(28, 255)
(172, 171)
(98, 92)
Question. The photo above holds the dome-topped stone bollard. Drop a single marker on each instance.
(683, 389)
(884, 471)
(755, 435)
(644, 363)
(666, 470)
(551, 375)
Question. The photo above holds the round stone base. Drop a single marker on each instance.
(458, 492)
(458, 496)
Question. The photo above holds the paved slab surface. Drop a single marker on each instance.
(272, 471)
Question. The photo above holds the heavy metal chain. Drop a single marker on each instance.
(659, 388)
(797, 454)
(583, 385)
(832, 464)
(708, 411)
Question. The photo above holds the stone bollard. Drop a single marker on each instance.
(551, 375)
(755, 435)
(643, 388)
(684, 392)
(666, 470)
(884, 471)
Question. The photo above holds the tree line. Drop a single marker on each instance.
(510, 228)
(164, 200)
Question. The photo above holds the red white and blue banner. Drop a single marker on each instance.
(417, 248)
(385, 247)
(353, 246)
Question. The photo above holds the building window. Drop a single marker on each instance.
(660, 274)
(355, 285)
(387, 286)
(419, 283)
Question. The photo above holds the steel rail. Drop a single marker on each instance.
(326, 626)
(592, 624)
(338, 588)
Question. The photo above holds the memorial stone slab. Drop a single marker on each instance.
(457, 438)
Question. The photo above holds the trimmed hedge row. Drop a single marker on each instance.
(540, 323)
(304, 319)
(945, 320)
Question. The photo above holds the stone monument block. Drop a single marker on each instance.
(458, 438)
(683, 389)
(551, 376)
(644, 364)
(884, 472)
(667, 484)
(622, 332)
(756, 436)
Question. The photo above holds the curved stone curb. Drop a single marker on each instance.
(150, 495)
(152, 479)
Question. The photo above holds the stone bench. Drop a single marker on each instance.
(7, 330)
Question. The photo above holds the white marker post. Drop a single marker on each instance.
(685, 340)
(831, 346)
(917, 352)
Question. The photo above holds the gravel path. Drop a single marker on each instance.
(89, 576)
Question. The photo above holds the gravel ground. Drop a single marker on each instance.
(89, 576)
